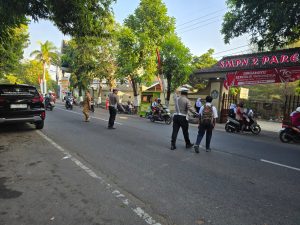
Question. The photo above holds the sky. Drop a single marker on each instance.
(198, 23)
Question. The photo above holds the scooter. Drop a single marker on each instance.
(69, 103)
(49, 104)
(165, 116)
(289, 133)
(233, 125)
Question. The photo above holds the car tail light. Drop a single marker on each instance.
(38, 99)
(43, 115)
(2, 99)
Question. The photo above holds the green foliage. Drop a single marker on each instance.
(176, 62)
(76, 18)
(143, 33)
(11, 49)
(272, 91)
(47, 54)
(81, 55)
(271, 23)
(205, 60)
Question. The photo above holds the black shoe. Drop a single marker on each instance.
(189, 145)
(208, 149)
(173, 147)
(196, 148)
(111, 128)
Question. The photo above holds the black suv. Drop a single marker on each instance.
(20, 104)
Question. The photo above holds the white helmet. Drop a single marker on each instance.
(298, 109)
(184, 90)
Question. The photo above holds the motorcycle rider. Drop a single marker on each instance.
(295, 117)
(232, 111)
(158, 108)
(240, 115)
(47, 100)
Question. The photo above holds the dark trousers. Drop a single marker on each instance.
(204, 128)
(180, 121)
(112, 116)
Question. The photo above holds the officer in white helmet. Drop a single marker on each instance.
(180, 118)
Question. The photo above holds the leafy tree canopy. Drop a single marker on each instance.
(11, 49)
(176, 58)
(205, 60)
(73, 17)
(271, 23)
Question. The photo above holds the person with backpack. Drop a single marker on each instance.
(208, 115)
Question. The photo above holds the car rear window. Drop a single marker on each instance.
(18, 90)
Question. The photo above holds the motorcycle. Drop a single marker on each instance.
(250, 125)
(289, 133)
(49, 104)
(69, 103)
(164, 116)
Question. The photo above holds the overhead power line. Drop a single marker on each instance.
(199, 26)
(201, 17)
(235, 53)
(194, 24)
(217, 53)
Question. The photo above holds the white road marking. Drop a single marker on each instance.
(278, 164)
(136, 209)
(98, 118)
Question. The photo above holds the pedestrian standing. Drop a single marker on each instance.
(180, 118)
(198, 105)
(87, 106)
(113, 105)
(208, 115)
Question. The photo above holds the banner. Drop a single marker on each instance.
(265, 76)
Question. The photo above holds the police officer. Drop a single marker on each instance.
(182, 106)
(113, 105)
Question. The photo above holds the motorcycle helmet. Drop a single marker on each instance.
(241, 104)
(298, 109)
(158, 100)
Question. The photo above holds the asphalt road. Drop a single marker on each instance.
(74, 172)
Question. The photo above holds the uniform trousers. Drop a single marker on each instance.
(180, 121)
(205, 128)
(112, 116)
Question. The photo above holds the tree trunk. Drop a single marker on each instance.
(99, 100)
(44, 79)
(135, 93)
(168, 91)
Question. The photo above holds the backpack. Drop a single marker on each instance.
(207, 115)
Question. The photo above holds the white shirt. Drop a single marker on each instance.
(198, 103)
(215, 113)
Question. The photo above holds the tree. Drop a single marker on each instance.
(145, 31)
(11, 50)
(203, 61)
(72, 17)
(45, 55)
(176, 63)
(271, 23)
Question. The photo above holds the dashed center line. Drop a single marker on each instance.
(279, 164)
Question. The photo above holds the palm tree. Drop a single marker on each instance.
(46, 55)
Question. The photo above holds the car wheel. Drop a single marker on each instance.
(39, 125)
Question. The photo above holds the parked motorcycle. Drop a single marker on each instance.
(69, 102)
(289, 134)
(233, 125)
(164, 116)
